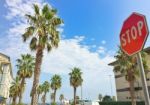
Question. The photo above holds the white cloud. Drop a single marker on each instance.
(18, 8)
(69, 54)
(95, 68)
(93, 46)
(101, 50)
(103, 42)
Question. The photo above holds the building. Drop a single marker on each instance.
(122, 86)
(6, 76)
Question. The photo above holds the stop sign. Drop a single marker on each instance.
(133, 34)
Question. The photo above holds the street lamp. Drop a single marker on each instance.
(110, 84)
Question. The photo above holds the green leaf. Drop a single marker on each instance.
(49, 47)
(33, 43)
(36, 9)
(45, 9)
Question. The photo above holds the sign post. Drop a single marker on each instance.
(143, 79)
(132, 38)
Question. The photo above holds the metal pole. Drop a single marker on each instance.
(82, 102)
(81, 92)
(143, 79)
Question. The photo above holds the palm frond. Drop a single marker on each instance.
(31, 19)
(56, 21)
(49, 47)
(33, 43)
(36, 9)
(29, 31)
(45, 9)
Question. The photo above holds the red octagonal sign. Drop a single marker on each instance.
(133, 34)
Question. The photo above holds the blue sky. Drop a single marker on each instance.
(90, 36)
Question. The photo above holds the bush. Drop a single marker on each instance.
(20, 104)
(120, 103)
(53, 103)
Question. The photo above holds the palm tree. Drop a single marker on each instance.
(100, 97)
(15, 90)
(61, 98)
(55, 84)
(75, 80)
(10, 95)
(52, 97)
(46, 88)
(25, 67)
(44, 35)
(39, 91)
(127, 65)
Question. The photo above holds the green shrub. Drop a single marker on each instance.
(120, 103)
(53, 103)
(20, 104)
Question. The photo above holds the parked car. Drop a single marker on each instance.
(88, 102)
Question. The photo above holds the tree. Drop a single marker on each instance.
(52, 97)
(15, 90)
(114, 98)
(44, 35)
(100, 97)
(61, 98)
(75, 80)
(107, 98)
(46, 88)
(39, 91)
(25, 67)
(77, 99)
(55, 84)
(127, 66)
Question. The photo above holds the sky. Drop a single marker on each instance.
(89, 40)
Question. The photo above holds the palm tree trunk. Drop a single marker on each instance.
(21, 91)
(44, 98)
(10, 99)
(14, 100)
(131, 84)
(37, 71)
(132, 92)
(55, 96)
(74, 95)
(38, 97)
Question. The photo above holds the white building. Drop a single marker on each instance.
(122, 86)
(6, 76)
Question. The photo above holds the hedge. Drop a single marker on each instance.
(120, 103)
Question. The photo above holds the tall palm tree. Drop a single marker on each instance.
(52, 97)
(46, 88)
(75, 80)
(15, 90)
(127, 65)
(39, 91)
(25, 67)
(55, 84)
(61, 98)
(10, 95)
(44, 35)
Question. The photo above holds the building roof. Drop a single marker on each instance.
(5, 56)
(147, 50)
(115, 62)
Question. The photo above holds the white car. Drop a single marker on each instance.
(88, 102)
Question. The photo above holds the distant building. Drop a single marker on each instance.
(122, 86)
(6, 76)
